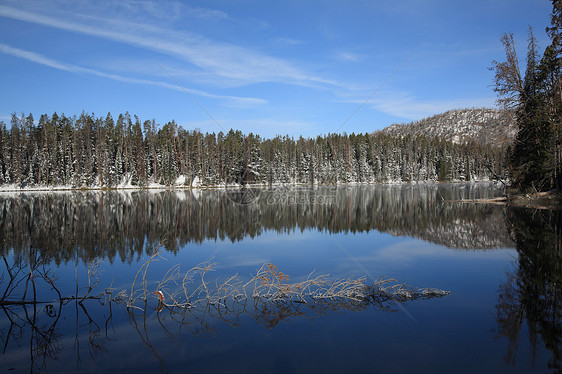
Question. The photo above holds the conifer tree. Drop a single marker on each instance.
(535, 101)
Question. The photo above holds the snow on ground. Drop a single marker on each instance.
(196, 182)
(195, 186)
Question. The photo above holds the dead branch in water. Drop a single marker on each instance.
(192, 300)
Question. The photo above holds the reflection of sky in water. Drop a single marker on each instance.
(443, 333)
(435, 335)
(450, 334)
(300, 253)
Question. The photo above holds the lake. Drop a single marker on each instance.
(389, 278)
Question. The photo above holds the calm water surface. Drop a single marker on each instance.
(502, 266)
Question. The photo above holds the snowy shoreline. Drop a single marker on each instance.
(12, 188)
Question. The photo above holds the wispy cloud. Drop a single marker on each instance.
(410, 107)
(290, 41)
(42, 60)
(207, 13)
(229, 61)
(347, 56)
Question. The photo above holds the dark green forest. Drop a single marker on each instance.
(535, 96)
(90, 151)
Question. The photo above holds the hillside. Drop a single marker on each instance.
(485, 126)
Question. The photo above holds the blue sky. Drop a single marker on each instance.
(268, 67)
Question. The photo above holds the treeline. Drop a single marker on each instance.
(90, 151)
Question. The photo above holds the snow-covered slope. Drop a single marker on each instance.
(485, 126)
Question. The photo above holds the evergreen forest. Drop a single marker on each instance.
(87, 151)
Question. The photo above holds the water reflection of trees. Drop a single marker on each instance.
(33, 309)
(124, 224)
(532, 294)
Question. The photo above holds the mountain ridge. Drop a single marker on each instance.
(485, 126)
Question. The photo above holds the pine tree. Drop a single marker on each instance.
(4, 161)
(535, 100)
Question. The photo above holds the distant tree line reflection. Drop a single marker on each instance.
(124, 225)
